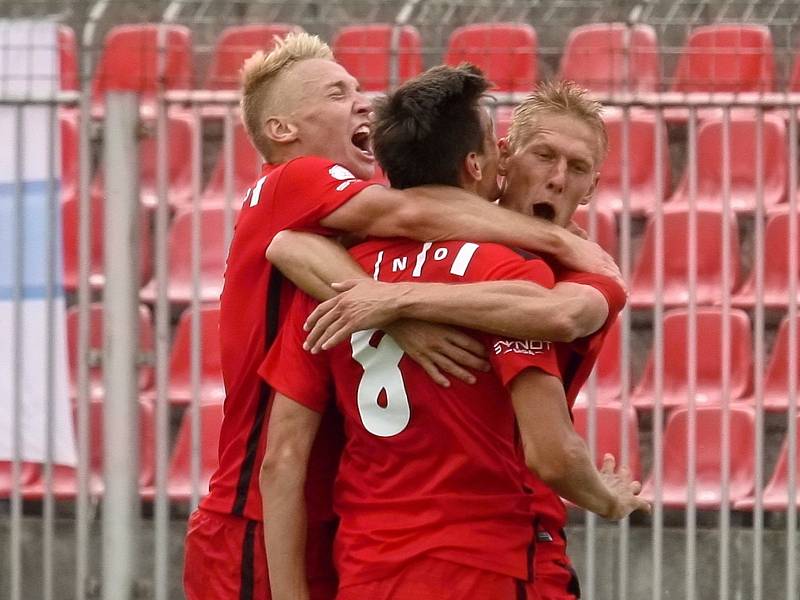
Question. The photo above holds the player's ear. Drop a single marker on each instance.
(280, 130)
(472, 165)
(503, 156)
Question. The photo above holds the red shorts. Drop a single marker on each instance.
(224, 559)
(435, 579)
(553, 575)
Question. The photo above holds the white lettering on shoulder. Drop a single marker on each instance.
(399, 264)
(463, 258)
(257, 191)
(339, 173)
(529, 347)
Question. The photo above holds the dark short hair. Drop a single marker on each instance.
(425, 128)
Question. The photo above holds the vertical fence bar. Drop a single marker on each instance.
(727, 217)
(759, 363)
(658, 370)
(83, 509)
(121, 410)
(15, 552)
(195, 353)
(624, 458)
(162, 317)
(48, 541)
(791, 429)
(691, 387)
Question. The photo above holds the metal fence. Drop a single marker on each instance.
(698, 200)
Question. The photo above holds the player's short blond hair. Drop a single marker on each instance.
(558, 98)
(259, 73)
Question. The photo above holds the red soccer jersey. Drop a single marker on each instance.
(293, 195)
(576, 361)
(426, 471)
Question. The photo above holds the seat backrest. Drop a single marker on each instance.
(130, 58)
(612, 57)
(146, 342)
(506, 52)
(213, 250)
(726, 58)
(246, 169)
(608, 369)
(68, 58)
(236, 44)
(366, 52)
(180, 133)
(709, 447)
(676, 254)
(69, 154)
(743, 134)
(709, 353)
(776, 251)
(608, 433)
(777, 377)
(180, 355)
(642, 137)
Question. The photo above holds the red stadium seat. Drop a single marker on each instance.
(246, 170)
(502, 120)
(180, 133)
(130, 58)
(213, 253)
(608, 433)
(70, 226)
(236, 44)
(366, 52)
(605, 226)
(68, 58)
(776, 265)
(726, 58)
(708, 482)
(65, 479)
(28, 473)
(641, 163)
(69, 155)
(776, 494)
(612, 57)
(708, 387)
(96, 384)
(776, 382)
(179, 479)
(506, 52)
(742, 164)
(608, 384)
(675, 292)
(212, 389)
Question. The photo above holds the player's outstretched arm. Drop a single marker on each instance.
(291, 433)
(435, 213)
(519, 309)
(558, 455)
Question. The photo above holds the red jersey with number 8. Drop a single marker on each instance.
(426, 470)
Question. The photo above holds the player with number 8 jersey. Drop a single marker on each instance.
(427, 473)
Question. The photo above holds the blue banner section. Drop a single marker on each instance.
(29, 219)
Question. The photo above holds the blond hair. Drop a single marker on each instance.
(261, 70)
(558, 98)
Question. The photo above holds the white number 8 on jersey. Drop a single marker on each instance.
(381, 372)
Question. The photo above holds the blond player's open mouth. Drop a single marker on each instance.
(361, 141)
(544, 210)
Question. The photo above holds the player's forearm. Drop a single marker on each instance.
(572, 475)
(312, 262)
(285, 530)
(509, 308)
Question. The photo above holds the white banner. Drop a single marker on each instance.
(30, 229)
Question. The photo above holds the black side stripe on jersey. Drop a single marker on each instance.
(247, 576)
(522, 592)
(272, 310)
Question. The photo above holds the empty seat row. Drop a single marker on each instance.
(679, 385)
(65, 482)
(603, 56)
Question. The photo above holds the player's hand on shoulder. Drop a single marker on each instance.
(440, 350)
(625, 489)
(361, 304)
(581, 254)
